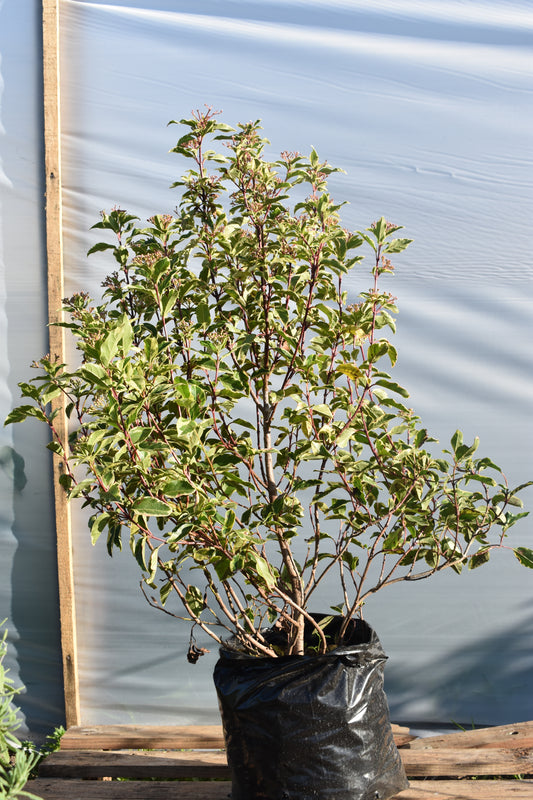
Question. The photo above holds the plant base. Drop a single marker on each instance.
(310, 727)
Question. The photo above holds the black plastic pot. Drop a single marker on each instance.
(310, 727)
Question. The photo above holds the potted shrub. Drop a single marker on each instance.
(233, 416)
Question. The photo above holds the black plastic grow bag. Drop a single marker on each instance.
(309, 727)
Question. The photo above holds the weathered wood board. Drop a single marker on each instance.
(50, 789)
(171, 756)
(123, 737)
(159, 764)
(502, 736)
(154, 737)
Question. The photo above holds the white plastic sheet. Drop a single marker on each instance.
(427, 106)
(28, 574)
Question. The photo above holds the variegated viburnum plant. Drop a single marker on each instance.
(233, 413)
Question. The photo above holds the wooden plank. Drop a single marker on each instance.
(497, 736)
(461, 762)
(135, 764)
(400, 729)
(518, 743)
(403, 739)
(158, 764)
(154, 737)
(467, 790)
(150, 737)
(50, 789)
(54, 248)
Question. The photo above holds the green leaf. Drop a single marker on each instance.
(195, 600)
(478, 559)
(21, 413)
(126, 333)
(394, 387)
(178, 487)
(114, 537)
(344, 437)
(350, 560)
(120, 336)
(525, 556)
(325, 621)
(393, 354)
(393, 540)
(368, 240)
(139, 435)
(94, 373)
(202, 314)
(229, 521)
(51, 394)
(223, 567)
(109, 346)
(100, 246)
(350, 370)
(397, 245)
(55, 447)
(456, 440)
(139, 551)
(324, 410)
(511, 519)
(152, 507)
(485, 479)
(379, 229)
(522, 486)
(165, 591)
(152, 564)
(98, 524)
(261, 567)
(377, 349)
(485, 463)
(464, 451)
(65, 480)
(168, 303)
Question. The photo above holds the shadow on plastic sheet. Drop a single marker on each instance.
(35, 611)
(487, 682)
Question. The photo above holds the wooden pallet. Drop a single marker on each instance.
(439, 767)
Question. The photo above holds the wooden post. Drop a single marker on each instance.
(54, 247)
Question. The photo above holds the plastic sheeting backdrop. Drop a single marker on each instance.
(427, 106)
(28, 584)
